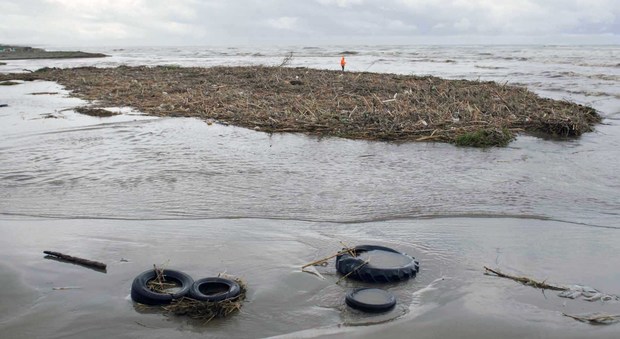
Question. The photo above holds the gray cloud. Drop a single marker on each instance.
(194, 22)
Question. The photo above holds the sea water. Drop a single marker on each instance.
(134, 191)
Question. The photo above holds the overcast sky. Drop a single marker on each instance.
(305, 22)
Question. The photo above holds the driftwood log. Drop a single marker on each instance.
(85, 262)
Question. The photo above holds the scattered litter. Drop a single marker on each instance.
(44, 93)
(572, 292)
(49, 116)
(313, 270)
(66, 288)
(206, 310)
(371, 300)
(595, 318)
(173, 292)
(588, 293)
(376, 264)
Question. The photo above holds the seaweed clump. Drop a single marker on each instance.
(95, 112)
(485, 138)
(355, 105)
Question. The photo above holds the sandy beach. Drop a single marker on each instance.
(451, 297)
(132, 190)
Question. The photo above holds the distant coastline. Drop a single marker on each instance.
(9, 52)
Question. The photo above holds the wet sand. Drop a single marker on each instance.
(451, 297)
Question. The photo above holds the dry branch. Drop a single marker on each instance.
(353, 271)
(526, 281)
(76, 260)
(346, 249)
(323, 260)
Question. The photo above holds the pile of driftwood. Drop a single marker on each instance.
(356, 105)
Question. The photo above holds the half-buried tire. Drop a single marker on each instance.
(372, 300)
(377, 264)
(141, 293)
(214, 289)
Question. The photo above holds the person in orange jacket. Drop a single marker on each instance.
(343, 63)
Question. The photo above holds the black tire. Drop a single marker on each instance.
(214, 289)
(388, 303)
(142, 294)
(356, 269)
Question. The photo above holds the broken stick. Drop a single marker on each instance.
(346, 249)
(526, 281)
(84, 262)
(320, 261)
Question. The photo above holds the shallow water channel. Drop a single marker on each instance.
(133, 191)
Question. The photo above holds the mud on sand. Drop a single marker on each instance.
(357, 105)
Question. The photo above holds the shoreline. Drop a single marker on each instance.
(447, 288)
(353, 105)
(9, 52)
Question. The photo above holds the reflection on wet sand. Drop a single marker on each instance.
(268, 255)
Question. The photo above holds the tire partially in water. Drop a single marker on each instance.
(357, 268)
(141, 293)
(371, 300)
(214, 289)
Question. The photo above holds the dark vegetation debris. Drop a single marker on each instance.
(356, 105)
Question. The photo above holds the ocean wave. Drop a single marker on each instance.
(514, 58)
(609, 65)
(446, 61)
(555, 75)
(606, 77)
(571, 74)
(593, 93)
(489, 67)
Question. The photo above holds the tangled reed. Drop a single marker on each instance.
(357, 105)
